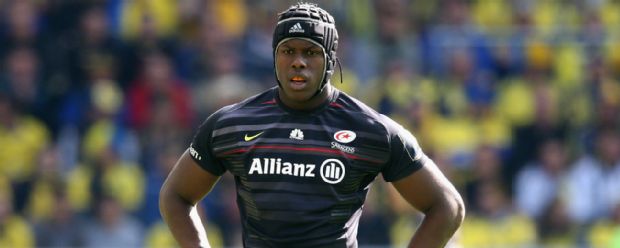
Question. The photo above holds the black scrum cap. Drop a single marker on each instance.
(309, 21)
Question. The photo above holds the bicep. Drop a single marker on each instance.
(188, 180)
(425, 187)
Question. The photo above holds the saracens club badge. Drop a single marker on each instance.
(344, 136)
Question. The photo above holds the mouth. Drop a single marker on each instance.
(298, 82)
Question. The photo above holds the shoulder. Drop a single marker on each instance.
(368, 119)
(530, 171)
(585, 163)
(368, 114)
(354, 107)
(585, 168)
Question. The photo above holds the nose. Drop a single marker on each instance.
(299, 62)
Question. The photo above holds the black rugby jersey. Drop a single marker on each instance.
(302, 176)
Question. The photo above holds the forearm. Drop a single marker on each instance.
(183, 221)
(438, 226)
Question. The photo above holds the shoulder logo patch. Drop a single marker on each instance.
(345, 136)
(297, 134)
(249, 138)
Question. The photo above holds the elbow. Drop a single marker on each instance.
(163, 200)
(450, 209)
(168, 200)
(457, 209)
(460, 212)
(171, 200)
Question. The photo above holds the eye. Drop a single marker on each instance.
(287, 51)
(314, 53)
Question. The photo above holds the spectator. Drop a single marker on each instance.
(16, 230)
(22, 20)
(22, 79)
(43, 187)
(22, 138)
(606, 232)
(106, 174)
(594, 180)
(554, 226)
(496, 223)
(92, 38)
(542, 180)
(539, 100)
(112, 226)
(64, 228)
(156, 85)
(225, 84)
(486, 168)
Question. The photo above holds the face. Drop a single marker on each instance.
(299, 65)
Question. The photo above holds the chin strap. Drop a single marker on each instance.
(324, 85)
(318, 91)
(339, 68)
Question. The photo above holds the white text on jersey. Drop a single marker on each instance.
(275, 166)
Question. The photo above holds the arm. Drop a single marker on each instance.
(429, 191)
(184, 187)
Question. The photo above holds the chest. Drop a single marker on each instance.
(312, 150)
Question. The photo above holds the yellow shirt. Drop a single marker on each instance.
(159, 236)
(162, 13)
(123, 181)
(509, 231)
(20, 148)
(604, 234)
(16, 233)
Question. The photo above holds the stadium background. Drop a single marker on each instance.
(518, 101)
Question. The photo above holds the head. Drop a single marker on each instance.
(21, 18)
(492, 198)
(109, 210)
(553, 156)
(22, 65)
(157, 70)
(304, 44)
(94, 24)
(608, 146)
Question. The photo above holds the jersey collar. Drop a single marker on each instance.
(330, 99)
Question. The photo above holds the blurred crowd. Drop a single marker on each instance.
(517, 101)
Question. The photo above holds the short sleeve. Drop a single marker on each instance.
(406, 156)
(201, 149)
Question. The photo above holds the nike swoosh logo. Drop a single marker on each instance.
(249, 138)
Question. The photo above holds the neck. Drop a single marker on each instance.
(312, 103)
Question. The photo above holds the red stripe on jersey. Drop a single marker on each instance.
(292, 148)
(272, 101)
(333, 104)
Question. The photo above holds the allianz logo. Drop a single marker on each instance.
(332, 170)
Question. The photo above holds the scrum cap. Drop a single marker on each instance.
(305, 20)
